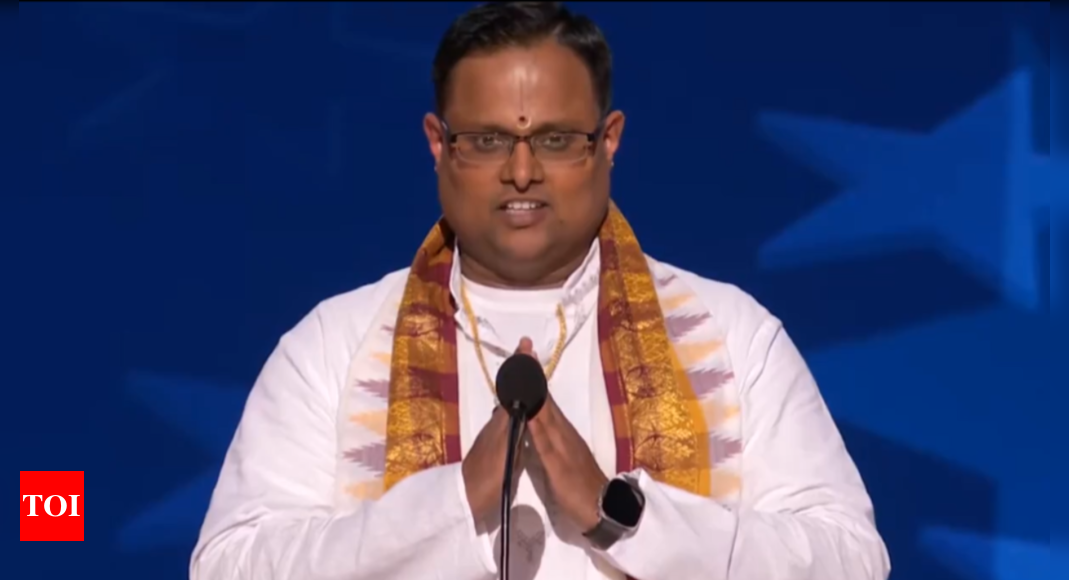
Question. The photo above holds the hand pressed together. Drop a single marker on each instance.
(484, 465)
(573, 476)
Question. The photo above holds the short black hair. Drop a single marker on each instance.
(498, 25)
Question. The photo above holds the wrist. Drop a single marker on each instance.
(473, 492)
(591, 513)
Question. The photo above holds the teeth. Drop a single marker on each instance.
(522, 205)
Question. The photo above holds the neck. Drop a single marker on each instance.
(518, 279)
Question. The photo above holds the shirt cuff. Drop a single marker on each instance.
(480, 542)
(665, 543)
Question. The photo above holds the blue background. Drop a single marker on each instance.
(187, 180)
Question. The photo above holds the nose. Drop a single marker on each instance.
(522, 169)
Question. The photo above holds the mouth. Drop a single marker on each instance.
(522, 206)
(520, 214)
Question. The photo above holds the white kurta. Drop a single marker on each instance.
(804, 512)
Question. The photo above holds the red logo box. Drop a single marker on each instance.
(53, 506)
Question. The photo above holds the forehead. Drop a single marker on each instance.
(546, 83)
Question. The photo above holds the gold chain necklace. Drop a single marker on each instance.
(553, 360)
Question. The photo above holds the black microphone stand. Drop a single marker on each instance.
(517, 425)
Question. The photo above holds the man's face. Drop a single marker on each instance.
(544, 92)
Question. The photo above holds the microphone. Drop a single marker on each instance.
(521, 390)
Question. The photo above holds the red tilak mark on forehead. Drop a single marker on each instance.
(522, 80)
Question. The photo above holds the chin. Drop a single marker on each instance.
(525, 254)
(524, 245)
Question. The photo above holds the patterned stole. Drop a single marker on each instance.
(675, 402)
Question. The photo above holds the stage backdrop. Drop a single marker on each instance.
(190, 179)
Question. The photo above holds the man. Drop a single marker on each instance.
(684, 436)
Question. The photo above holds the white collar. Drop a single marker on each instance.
(579, 300)
(577, 287)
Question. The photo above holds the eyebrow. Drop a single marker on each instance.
(560, 126)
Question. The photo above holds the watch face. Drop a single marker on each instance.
(621, 504)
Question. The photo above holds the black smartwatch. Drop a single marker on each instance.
(619, 512)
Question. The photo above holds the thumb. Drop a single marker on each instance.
(526, 347)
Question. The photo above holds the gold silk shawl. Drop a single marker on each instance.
(658, 419)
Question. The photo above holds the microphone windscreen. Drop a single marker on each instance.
(521, 384)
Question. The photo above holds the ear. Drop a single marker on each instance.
(612, 133)
(432, 128)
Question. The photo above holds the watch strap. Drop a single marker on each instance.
(606, 533)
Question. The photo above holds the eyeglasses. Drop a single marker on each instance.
(548, 147)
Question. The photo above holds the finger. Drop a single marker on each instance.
(546, 451)
(526, 347)
(500, 416)
(547, 414)
(499, 420)
(538, 434)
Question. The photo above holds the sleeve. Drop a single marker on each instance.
(804, 511)
(271, 515)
